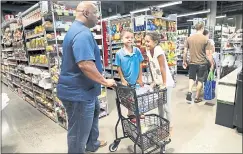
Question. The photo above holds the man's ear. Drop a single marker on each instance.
(86, 13)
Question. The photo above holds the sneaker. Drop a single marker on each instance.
(189, 96)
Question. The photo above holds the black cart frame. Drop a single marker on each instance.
(153, 139)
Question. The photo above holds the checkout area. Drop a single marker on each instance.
(229, 100)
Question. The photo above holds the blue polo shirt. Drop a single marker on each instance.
(129, 64)
(78, 45)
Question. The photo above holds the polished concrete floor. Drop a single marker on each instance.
(26, 130)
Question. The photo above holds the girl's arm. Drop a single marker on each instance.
(161, 59)
(140, 78)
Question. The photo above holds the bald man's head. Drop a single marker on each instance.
(87, 12)
(86, 5)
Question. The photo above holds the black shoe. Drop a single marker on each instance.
(189, 96)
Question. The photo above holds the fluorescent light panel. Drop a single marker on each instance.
(230, 18)
(222, 16)
(217, 17)
(193, 13)
(160, 6)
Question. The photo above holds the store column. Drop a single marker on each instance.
(238, 23)
(212, 5)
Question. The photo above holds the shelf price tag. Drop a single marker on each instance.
(59, 12)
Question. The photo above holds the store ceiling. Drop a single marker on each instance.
(124, 7)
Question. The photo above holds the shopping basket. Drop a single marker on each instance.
(149, 134)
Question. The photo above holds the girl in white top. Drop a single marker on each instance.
(160, 71)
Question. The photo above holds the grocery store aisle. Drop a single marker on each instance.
(194, 129)
(25, 129)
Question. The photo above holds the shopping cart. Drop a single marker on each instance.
(150, 133)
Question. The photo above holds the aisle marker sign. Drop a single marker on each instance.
(139, 21)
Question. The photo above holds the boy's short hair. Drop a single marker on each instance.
(205, 32)
(125, 30)
(155, 36)
(199, 26)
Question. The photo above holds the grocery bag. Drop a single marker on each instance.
(209, 87)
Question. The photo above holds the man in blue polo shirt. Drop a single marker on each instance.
(80, 81)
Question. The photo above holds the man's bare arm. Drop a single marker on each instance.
(184, 55)
(90, 70)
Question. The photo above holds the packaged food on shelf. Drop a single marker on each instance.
(48, 24)
(49, 48)
(32, 17)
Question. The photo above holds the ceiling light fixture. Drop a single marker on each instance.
(169, 4)
(193, 13)
(126, 15)
(230, 18)
(112, 17)
(222, 16)
(160, 6)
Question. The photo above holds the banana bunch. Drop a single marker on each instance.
(171, 58)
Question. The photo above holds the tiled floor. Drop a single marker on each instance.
(26, 130)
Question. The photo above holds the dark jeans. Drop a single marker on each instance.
(83, 131)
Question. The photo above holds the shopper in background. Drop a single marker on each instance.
(80, 81)
(129, 62)
(214, 54)
(200, 56)
(161, 74)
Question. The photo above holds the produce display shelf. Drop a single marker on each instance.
(40, 65)
(4, 82)
(26, 87)
(7, 49)
(28, 94)
(16, 84)
(50, 108)
(44, 112)
(32, 23)
(34, 36)
(62, 125)
(36, 49)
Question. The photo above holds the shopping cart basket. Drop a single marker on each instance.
(150, 133)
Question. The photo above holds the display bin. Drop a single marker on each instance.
(154, 129)
(238, 104)
(225, 113)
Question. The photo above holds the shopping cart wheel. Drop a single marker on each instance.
(113, 147)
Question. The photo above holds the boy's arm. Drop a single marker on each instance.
(123, 80)
(118, 64)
